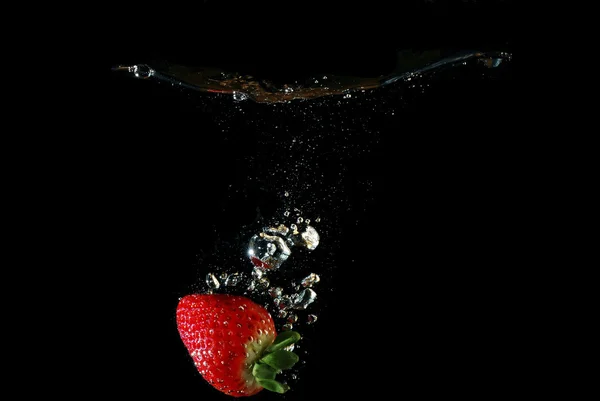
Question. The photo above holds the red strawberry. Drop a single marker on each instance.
(233, 343)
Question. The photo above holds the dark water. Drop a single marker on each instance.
(404, 182)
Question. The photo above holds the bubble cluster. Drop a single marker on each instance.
(270, 248)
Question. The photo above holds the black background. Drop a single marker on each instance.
(428, 327)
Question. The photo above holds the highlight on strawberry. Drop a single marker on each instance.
(233, 343)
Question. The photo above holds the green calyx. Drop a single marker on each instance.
(274, 360)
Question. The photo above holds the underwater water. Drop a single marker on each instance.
(356, 208)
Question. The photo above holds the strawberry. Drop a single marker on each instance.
(233, 343)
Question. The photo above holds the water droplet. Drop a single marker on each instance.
(290, 347)
(212, 281)
(288, 326)
(304, 298)
(310, 280)
(311, 319)
(293, 318)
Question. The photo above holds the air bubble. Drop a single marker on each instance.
(309, 238)
(212, 281)
(262, 283)
(310, 280)
(275, 292)
(304, 298)
(239, 96)
(233, 279)
(267, 252)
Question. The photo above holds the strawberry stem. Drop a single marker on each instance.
(283, 340)
(276, 359)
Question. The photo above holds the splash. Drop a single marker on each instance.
(243, 87)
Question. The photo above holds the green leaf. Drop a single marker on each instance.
(284, 339)
(262, 371)
(273, 385)
(280, 359)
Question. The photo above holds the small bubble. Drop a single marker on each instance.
(288, 326)
(300, 220)
(286, 194)
(286, 213)
(311, 319)
(292, 318)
